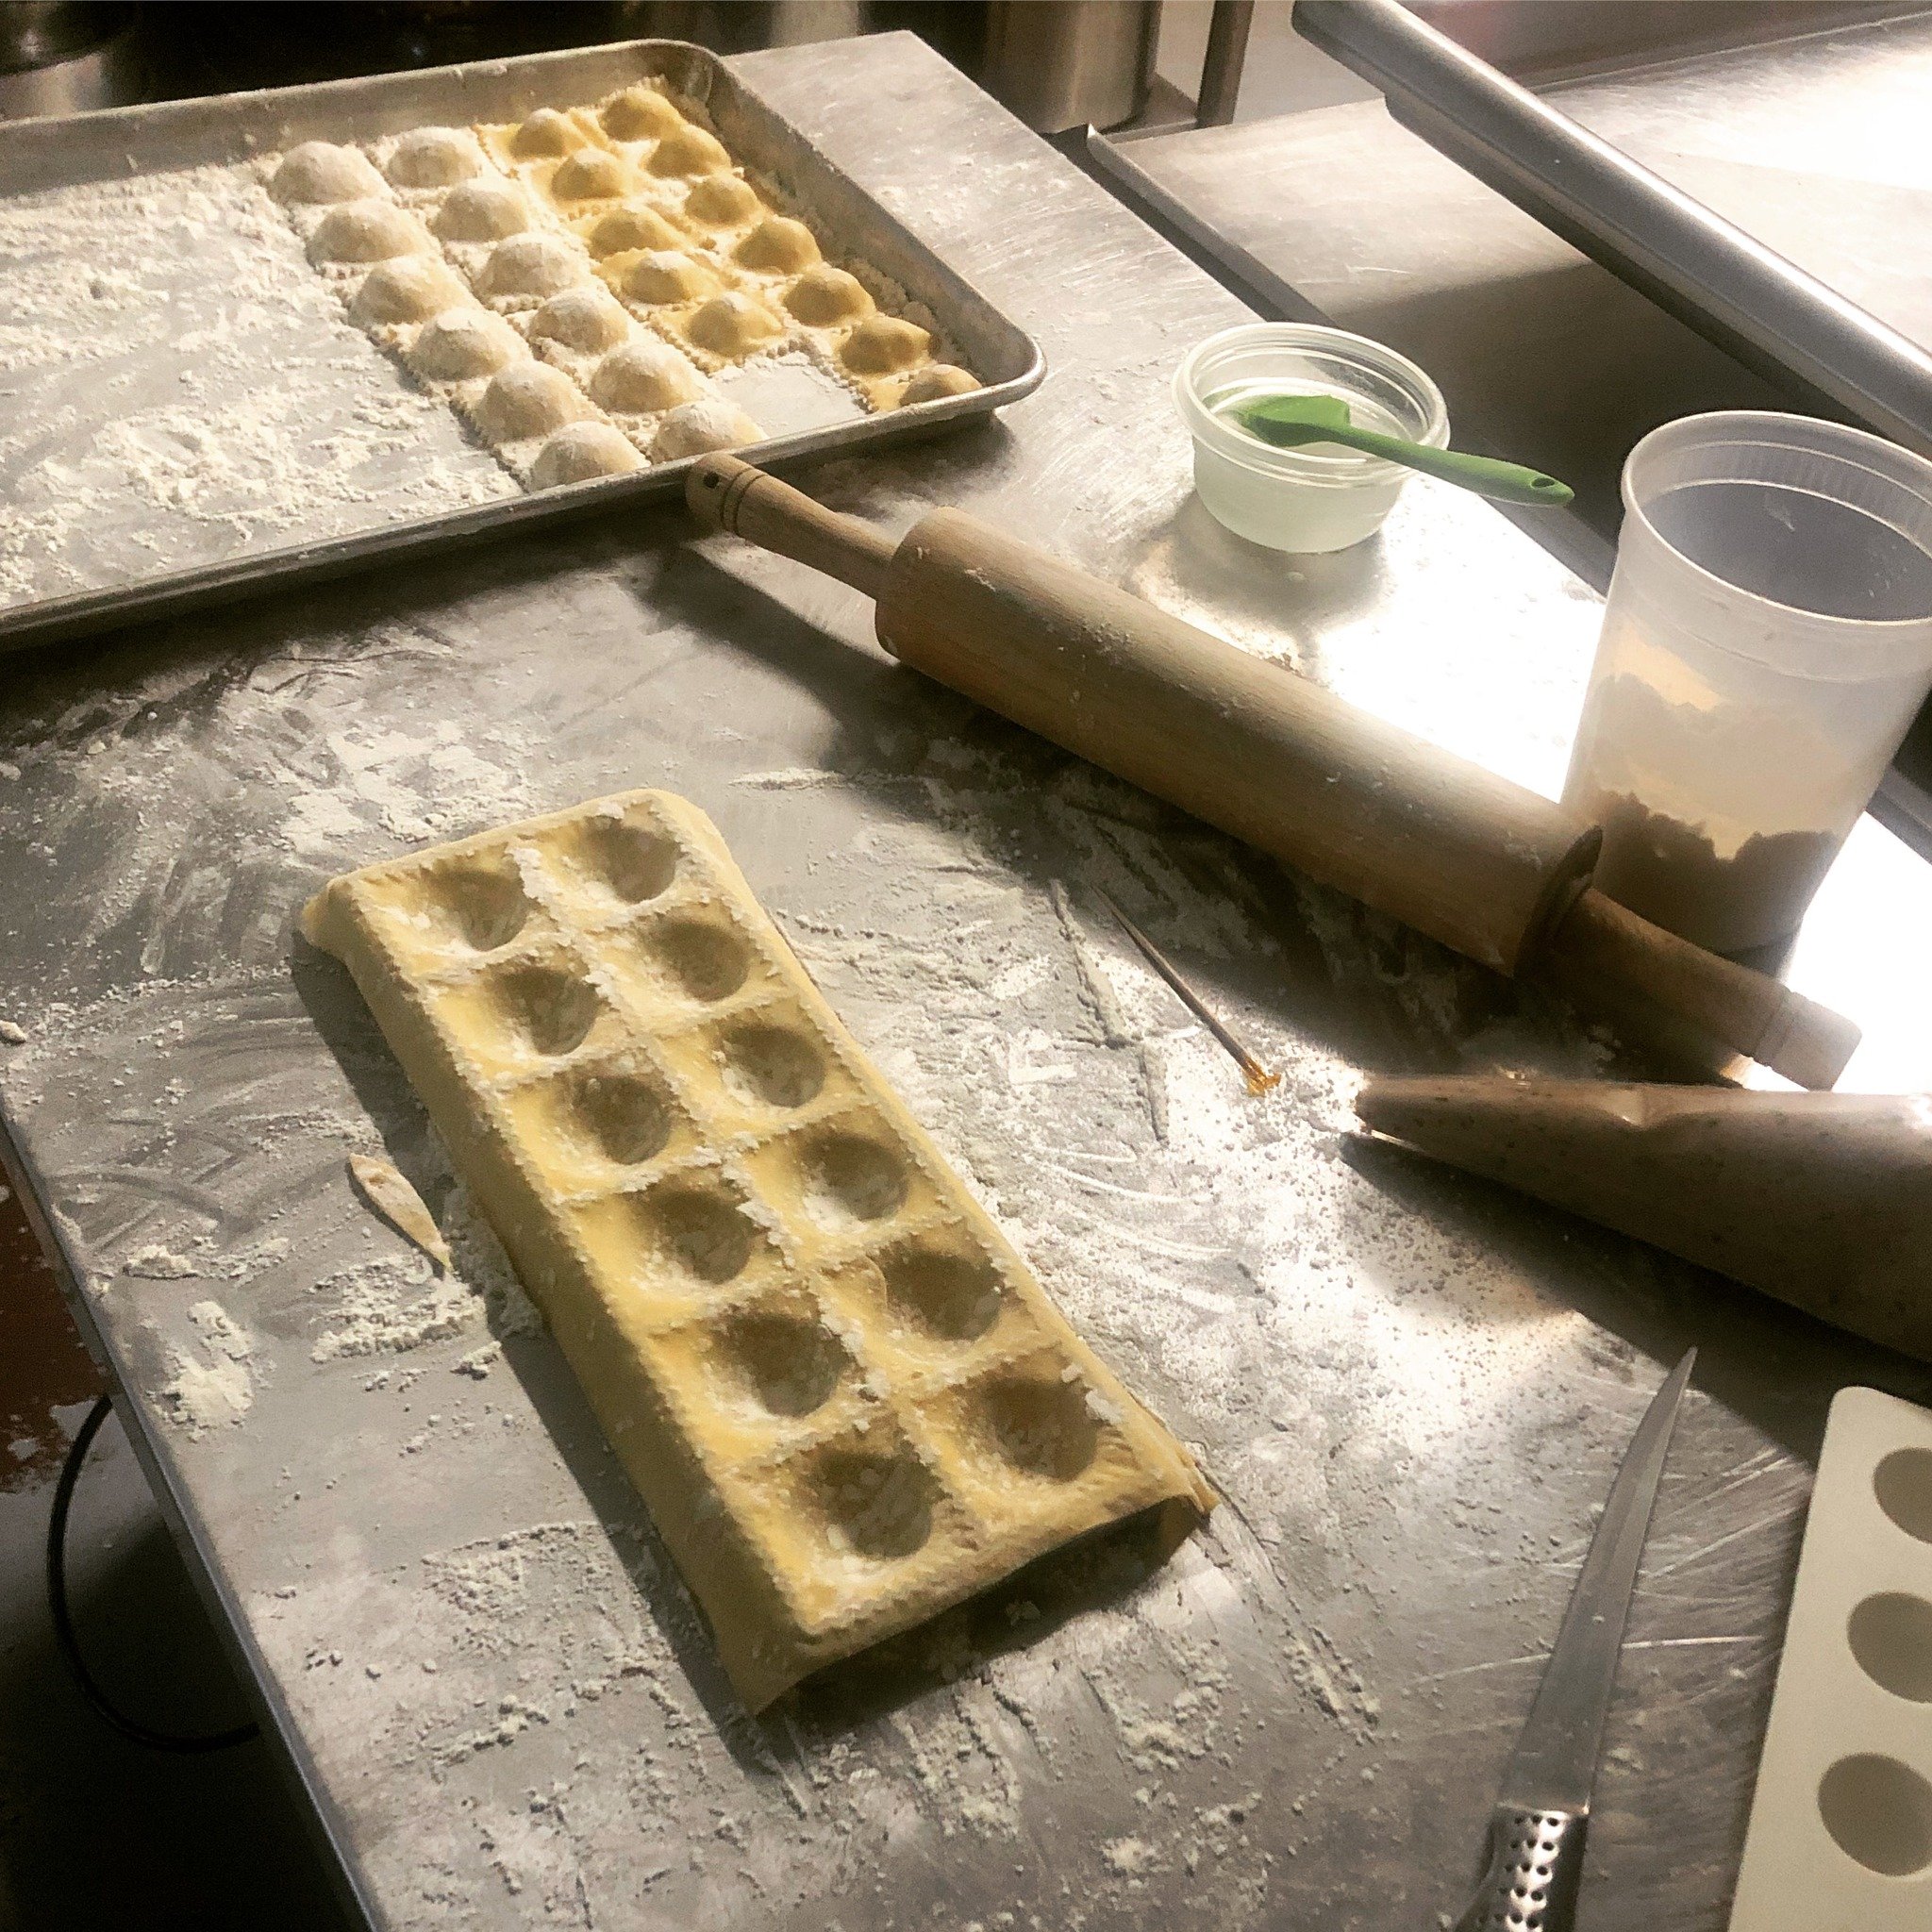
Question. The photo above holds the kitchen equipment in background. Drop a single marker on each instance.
(1483, 865)
(1840, 1830)
(1542, 1812)
(1725, 283)
(62, 56)
(1058, 63)
(1303, 500)
(206, 47)
(1294, 422)
(1823, 1200)
(1071, 63)
(1767, 640)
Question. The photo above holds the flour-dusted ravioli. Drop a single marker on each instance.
(597, 265)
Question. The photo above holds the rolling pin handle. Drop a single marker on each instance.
(714, 489)
(1599, 947)
(727, 493)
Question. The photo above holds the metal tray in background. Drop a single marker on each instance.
(127, 143)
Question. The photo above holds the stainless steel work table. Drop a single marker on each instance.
(1410, 1389)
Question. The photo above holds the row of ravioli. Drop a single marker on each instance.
(570, 283)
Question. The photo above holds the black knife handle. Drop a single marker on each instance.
(1535, 1870)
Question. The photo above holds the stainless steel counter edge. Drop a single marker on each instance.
(279, 1733)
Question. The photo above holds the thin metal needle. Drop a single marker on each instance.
(1257, 1077)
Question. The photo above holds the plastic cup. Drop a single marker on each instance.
(1318, 497)
(1766, 642)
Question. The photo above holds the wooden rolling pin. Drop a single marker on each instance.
(1496, 871)
(1823, 1200)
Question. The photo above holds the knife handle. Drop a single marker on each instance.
(1535, 1870)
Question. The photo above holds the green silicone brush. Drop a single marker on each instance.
(1288, 421)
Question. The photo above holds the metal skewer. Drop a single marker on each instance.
(1257, 1077)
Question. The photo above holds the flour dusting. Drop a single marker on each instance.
(212, 1383)
(158, 1263)
(177, 387)
(391, 1306)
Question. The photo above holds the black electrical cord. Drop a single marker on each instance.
(63, 1621)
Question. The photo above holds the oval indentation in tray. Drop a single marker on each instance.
(701, 1233)
(551, 1011)
(1890, 1635)
(1879, 1813)
(1039, 1425)
(474, 905)
(684, 1239)
(635, 863)
(627, 1117)
(695, 958)
(786, 1357)
(876, 1504)
(767, 1063)
(1902, 1483)
(848, 1178)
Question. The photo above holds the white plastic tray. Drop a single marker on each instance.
(1840, 1833)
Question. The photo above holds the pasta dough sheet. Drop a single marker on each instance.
(845, 1398)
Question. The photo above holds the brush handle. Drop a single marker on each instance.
(1487, 476)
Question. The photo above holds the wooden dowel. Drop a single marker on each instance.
(1823, 1200)
(1467, 857)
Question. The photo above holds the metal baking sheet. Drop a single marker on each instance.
(186, 414)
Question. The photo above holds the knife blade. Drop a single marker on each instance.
(1543, 1810)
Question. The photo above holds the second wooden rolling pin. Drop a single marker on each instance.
(1485, 866)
